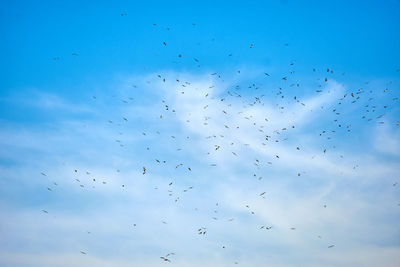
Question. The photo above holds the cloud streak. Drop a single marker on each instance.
(222, 148)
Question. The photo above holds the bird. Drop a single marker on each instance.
(165, 259)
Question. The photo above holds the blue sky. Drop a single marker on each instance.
(278, 122)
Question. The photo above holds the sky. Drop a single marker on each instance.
(193, 133)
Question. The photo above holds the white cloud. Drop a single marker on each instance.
(357, 188)
(387, 139)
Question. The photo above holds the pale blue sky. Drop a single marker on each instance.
(82, 89)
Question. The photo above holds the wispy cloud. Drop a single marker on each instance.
(222, 150)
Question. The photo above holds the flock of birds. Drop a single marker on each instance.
(364, 99)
